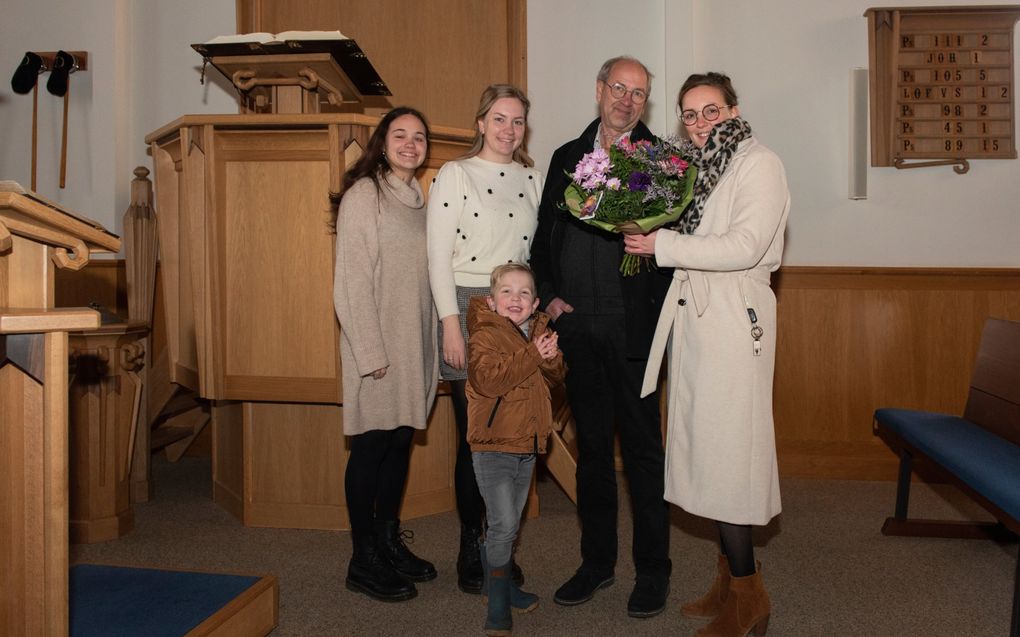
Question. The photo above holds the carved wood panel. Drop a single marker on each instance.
(436, 56)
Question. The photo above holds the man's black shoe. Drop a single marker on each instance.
(581, 587)
(648, 598)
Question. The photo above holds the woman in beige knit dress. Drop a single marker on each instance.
(388, 347)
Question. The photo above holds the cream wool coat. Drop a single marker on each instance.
(383, 301)
(720, 447)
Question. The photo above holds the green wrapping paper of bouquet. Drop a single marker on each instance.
(632, 189)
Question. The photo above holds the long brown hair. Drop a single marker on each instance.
(373, 163)
(492, 93)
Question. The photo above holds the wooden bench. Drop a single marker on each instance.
(979, 452)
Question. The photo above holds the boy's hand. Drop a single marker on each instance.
(548, 345)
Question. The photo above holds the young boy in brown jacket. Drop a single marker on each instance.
(513, 360)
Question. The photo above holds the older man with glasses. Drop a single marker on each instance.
(605, 323)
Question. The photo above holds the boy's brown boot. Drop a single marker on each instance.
(708, 605)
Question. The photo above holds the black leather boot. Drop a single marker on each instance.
(469, 563)
(370, 574)
(390, 542)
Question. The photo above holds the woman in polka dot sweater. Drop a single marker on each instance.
(482, 211)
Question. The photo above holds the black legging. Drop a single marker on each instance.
(469, 501)
(375, 477)
(736, 545)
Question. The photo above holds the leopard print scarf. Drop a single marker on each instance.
(711, 163)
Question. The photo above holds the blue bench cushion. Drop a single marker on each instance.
(987, 463)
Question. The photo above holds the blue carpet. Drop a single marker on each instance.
(113, 601)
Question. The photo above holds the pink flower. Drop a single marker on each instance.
(673, 166)
(613, 183)
(678, 163)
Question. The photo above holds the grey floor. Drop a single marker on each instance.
(828, 569)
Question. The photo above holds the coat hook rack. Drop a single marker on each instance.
(81, 57)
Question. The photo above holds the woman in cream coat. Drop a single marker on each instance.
(721, 312)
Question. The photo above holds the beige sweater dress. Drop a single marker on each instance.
(384, 304)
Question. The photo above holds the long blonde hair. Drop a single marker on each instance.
(489, 96)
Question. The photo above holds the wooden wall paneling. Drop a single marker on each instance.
(852, 340)
(436, 56)
(517, 42)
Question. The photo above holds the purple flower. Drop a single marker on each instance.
(639, 181)
(591, 171)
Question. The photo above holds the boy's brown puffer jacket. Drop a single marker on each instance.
(509, 407)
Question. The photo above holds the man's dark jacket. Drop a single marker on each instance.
(639, 297)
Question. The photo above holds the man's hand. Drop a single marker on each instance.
(640, 244)
(557, 307)
(378, 374)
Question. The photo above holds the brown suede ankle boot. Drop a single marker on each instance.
(708, 605)
(745, 610)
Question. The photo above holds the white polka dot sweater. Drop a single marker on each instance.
(480, 214)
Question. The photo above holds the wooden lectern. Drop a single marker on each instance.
(35, 238)
(247, 273)
(327, 72)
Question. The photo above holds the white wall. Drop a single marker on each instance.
(140, 75)
(790, 62)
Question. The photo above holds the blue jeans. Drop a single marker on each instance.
(503, 480)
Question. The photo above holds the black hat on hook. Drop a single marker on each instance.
(63, 65)
(27, 74)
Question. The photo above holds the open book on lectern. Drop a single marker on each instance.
(344, 50)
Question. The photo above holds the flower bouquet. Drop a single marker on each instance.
(633, 188)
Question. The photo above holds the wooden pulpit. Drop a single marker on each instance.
(247, 275)
(36, 237)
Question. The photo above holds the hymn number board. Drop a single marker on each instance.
(942, 84)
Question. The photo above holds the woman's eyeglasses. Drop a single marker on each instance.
(710, 113)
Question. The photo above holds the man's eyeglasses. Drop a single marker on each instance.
(619, 91)
(710, 113)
